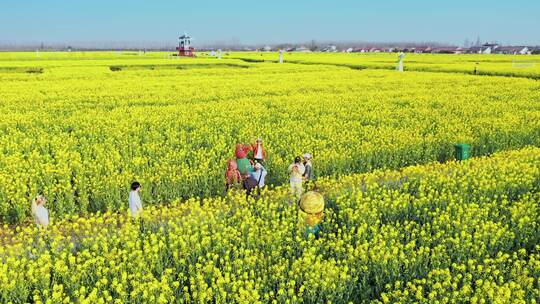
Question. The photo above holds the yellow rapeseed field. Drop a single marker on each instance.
(404, 221)
(527, 66)
(80, 133)
(438, 233)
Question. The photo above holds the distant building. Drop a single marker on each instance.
(420, 49)
(184, 46)
(488, 48)
(497, 49)
(484, 49)
(330, 48)
(303, 49)
(513, 50)
(360, 50)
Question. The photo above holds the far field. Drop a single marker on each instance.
(81, 126)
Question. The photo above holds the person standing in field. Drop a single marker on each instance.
(308, 174)
(259, 174)
(259, 154)
(311, 210)
(399, 67)
(232, 175)
(296, 171)
(135, 203)
(249, 183)
(40, 213)
(244, 165)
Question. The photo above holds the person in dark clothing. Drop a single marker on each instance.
(308, 173)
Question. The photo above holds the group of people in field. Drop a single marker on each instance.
(245, 172)
(247, 169)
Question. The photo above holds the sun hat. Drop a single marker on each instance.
(307, 155)
(312, 202)
(312, 207)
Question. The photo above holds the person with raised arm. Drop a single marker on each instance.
(296, 171)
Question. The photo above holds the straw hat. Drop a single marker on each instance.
(312, 202)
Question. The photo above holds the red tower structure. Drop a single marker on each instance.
(184, 46)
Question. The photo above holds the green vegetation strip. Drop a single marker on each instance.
(133, 67)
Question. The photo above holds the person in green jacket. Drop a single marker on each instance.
(244, 166)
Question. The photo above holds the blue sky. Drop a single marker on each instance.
(515, 22)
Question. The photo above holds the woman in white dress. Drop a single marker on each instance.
(40, 213)
(135, 203)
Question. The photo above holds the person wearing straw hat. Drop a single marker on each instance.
(40, 213)
(311, 211)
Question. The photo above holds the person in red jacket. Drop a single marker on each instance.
(232, 175)
(242, 151)
(259, 154)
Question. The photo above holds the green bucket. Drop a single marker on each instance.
(463, 151)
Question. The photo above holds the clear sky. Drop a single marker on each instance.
(72, 21)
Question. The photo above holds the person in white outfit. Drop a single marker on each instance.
(40, 213)
(259, 174)
(296, 171)
(135, 203)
